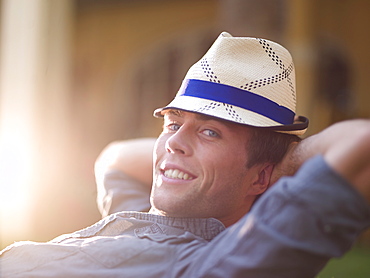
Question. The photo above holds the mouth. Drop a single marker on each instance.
(176, 174)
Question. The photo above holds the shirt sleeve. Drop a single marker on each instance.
(292, 231)
(119, 192)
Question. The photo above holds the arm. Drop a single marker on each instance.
(123, 174)
(345, 146)
(133, 157)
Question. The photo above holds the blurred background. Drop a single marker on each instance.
(78, 74)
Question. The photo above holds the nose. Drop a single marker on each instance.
(180, 142)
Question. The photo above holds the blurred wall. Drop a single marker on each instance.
(104, 66)
(328, 40)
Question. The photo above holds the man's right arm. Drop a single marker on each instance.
(123, 173)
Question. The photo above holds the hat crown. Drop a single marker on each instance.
(256, 65)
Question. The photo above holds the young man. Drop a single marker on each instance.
(207, 175)
(123, 171)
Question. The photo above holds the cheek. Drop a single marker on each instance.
(160, 146)
(230, 161)
(234, 173)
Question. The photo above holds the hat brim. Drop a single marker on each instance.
(233, 114)
(298, 127)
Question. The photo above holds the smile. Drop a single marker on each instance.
(177, 174)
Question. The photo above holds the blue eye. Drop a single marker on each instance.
(172, 127)
(210, 133)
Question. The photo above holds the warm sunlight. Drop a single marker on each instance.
(15, 191)
(19, 89)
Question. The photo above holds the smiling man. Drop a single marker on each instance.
(230, 133)
(196, 156)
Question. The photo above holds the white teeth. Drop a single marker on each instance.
(180, 175)
(176, 174)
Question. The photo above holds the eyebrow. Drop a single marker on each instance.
(174, 112)
(202, 117)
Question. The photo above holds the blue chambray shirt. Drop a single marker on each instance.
(291, 232)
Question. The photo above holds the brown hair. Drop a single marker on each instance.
(266, 145)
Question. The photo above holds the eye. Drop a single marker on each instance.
(210, 133)
(174, 127)
(171, 127)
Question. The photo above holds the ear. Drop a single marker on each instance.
(262, 180)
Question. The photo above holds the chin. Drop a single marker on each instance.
(170, 210)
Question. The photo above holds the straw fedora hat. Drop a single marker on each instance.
(245, 80)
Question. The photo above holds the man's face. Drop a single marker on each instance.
(200, 168)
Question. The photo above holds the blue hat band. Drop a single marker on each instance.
(237, 97)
